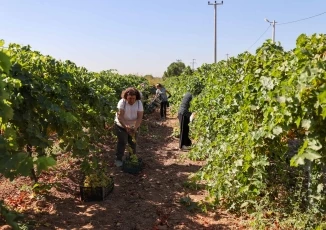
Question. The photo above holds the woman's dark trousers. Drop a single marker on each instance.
(184, 130)
(123, 139)
(163, 109)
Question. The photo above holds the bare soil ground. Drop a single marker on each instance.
(149, 200)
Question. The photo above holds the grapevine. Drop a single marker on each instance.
(246, 116)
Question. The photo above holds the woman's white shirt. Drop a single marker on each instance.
(130, 115)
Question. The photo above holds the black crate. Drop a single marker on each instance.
(96, 193)
(131, 167)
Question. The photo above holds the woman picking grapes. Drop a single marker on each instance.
(127, 121)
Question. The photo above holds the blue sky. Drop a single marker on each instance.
(145, 36)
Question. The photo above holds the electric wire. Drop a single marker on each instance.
(284, 23)
(259, 38)
(302, 19)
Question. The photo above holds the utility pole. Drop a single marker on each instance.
(193, 64)
(273, 24)
(227, 57)
(215, 4)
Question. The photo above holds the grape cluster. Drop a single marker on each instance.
(97, 180)
(134, 159)
(133, 134)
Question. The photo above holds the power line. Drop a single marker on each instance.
(301, 19)
(284, 23)
(259, 38)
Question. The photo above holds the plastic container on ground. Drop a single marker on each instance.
(96, 193)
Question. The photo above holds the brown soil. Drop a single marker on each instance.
(150, 200)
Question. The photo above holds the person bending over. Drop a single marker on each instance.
(127, 121)
(184, 120)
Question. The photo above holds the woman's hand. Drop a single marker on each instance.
(192, 117)
(130, 130)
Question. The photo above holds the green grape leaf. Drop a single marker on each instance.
(43, 163)
(277, 130)
(308, 154)
(306, 124)
(267, 82)
(322, 97)
(5, 62)
(320, 188)
(324, 113)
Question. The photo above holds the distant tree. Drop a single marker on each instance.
(175, 69)
(188, 70)
(152, 80)
(148, 77)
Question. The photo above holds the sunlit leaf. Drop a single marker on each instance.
(43, 163)
(5, 62)
(277, 130)
(306, 124)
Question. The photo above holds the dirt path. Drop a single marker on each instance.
(149, 201)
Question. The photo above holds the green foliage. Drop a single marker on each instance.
(248, 114)
(4, 63)
(44, 162)
(175, 69)
(42, 188)
(43, 100)
(119, 82)
(46, 105)
(189, 204)
(11, 217)
(178, 86)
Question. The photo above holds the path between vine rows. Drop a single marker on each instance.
(149, 201)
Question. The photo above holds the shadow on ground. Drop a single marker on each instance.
(149, 200)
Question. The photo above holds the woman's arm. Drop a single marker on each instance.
(139, 119)
(121, 119)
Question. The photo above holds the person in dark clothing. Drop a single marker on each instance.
(184, 120)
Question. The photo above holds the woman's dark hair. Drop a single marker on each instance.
(131, 91)
(158, 85)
